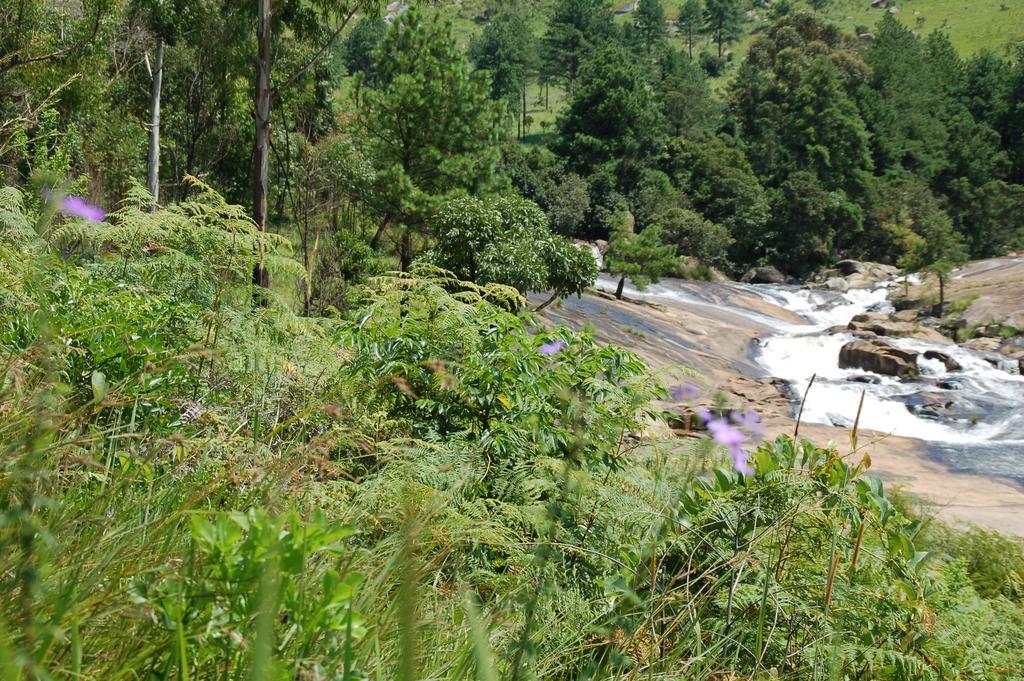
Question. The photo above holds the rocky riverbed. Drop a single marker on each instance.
(931, 406)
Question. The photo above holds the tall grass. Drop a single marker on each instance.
(419, 493)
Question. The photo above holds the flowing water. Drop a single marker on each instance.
(971, 418)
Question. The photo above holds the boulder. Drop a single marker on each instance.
(982, 344)
(882, 325)
(837, 284)
(878, 357)
(910, 315)
(763, 275)
(868, 37)
(951, 364)
(848, 267)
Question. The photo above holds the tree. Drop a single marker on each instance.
(906, 106)
(641, 257)
(612, 117)
(695, 236)
(507, 52)
(429, 126)
(690, 21)
(688, 105)
(576, 29)
(322, 22)
(650, 24)
(723, 19)
(723, 188)
(939, 250)
(507, 241)
(361, 45)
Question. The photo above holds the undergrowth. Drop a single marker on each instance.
(198, 485)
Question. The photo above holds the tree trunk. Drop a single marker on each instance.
(153, 177)
(554, 296)
(405, 250)
(261, 148)
(942, 294)
(524, 110)
(622, 285)
(689, 41)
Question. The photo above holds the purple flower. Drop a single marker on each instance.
(750, 422)
(684, 392)
(77, 207)
(732, 438)
(553, 348)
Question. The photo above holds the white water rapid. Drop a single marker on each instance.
(971, 418)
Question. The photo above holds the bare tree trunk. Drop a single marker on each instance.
(261, 148)
(153, 178)
(405, 250)
(554, 296)
(524, 110)
(622, 285)
(942, 294)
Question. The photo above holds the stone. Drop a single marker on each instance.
(951, 364)
(866, 378)
(848, 267)
(982, 344)
(910, 315)
(879, 358)
(837, 284)
(763, 275)
(868, 37)
(882, 325)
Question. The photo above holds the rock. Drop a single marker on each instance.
(763, 275)
(868, 37)
(882, 325)
(878, 357)
(951, 364)
(837, 284)
(949, 385)
(860, 280)
(839, 420)
(866, 378)
(906, 315)
(686, 420)
(894, 10)
(982, 344)
(880, 4)
(848, 267)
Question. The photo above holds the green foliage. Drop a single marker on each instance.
(430, 125)
(690, 21)
(458, 367)
(643, 258)
(575, 30)
(650, 24)
(695, 236)
(507, 241)
(506, 50)
(361, 45)
(723, 20)
(612, 118)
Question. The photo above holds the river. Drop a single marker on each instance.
(970, 418)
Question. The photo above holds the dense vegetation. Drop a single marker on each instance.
(323, 435)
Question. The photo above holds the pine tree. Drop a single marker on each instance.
(643, 258)
(723, 20)
(430, 126)
(690, 21)
(650, 24)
